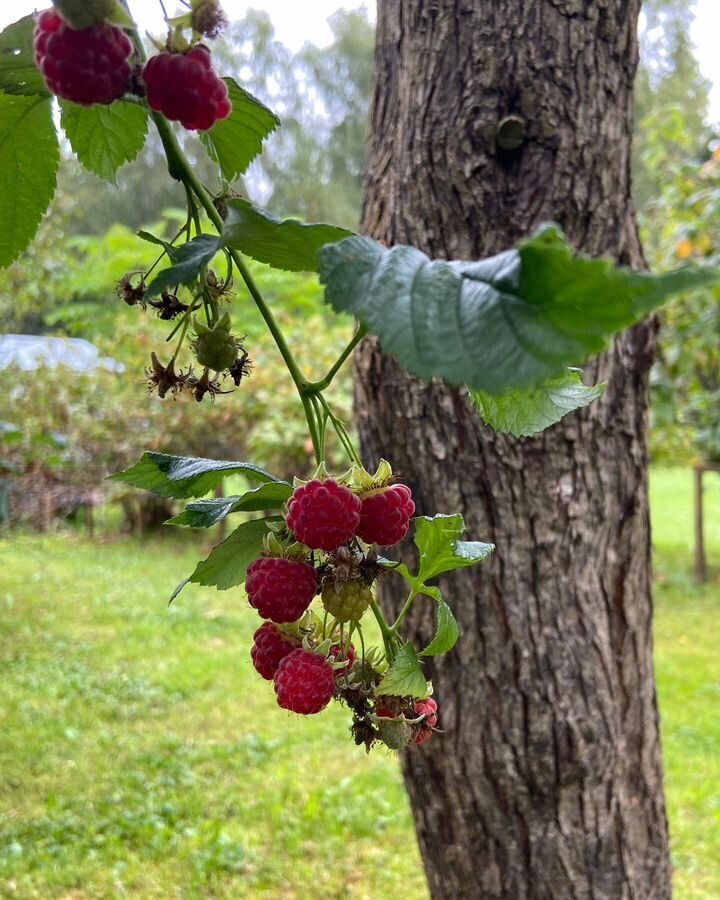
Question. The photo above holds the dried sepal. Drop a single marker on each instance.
(168, 307)
(164, 380)
(131, 293)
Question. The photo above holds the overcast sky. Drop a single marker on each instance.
(297, 22)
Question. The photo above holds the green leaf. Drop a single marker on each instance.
(104, 138)
(170, 249)
(18, 72)
(189, 261)
(236, 141)
(180, 477)
(205, 513)
(447, 632)
(440, 549)
(289, 244)
(524, 413)
(404, 678)
(510, 321)
(227, 564)
(29, 157)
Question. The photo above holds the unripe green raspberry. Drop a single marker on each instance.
(81, 14)
(215, 348)
(395, 733)
(349, 603)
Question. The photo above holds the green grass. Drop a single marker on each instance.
(140, 755)
(687, 636)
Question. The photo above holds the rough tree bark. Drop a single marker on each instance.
(548, 781)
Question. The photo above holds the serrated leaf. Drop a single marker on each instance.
(227, 564)
(189, 261)
(235, 142)
(180, 477)
(447, 632)
(29, 157)
(441, 551)
(510, 321)
(206, 513)
(404, 677)
(104, 138)
(524, 413)
(18, 72)
(290, 244)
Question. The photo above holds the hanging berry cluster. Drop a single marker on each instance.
(87, 59)
(325, 548)
(315, 566)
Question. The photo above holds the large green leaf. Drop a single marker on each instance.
(404, 677)
(205, 513)
(510, 321)
(18, 72)
(227, 564)
(288, 244)
(524, 413)
(236, 141)
(189, 260)
(180, 477)
(105, 137)
(29, 157)
(437, 539)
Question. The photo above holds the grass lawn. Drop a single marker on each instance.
(141, 756)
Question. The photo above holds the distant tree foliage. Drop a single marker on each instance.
(313, 166)
(676, 191)
(670, 90)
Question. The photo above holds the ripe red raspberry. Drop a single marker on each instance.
(88, 66)
(280, 589)
(186, 88)
(427, 708)
(385, 515)
(269, 649)
(323, 514)
(304, 682)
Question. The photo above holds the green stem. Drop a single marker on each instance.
(404, 611)
(362, 639)
(321, 419)
(385, 630)
(193, 308)
(312, 426)
(341, 432)
(324, 383)
(183, 333)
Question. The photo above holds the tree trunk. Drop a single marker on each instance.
(490, 118)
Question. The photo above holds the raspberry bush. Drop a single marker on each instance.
(508, 331)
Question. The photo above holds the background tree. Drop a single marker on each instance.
(313, 166)
(676, 178)
(671, 102)
(553, 785)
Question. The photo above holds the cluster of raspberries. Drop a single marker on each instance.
(329, 520)
(95, 65)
